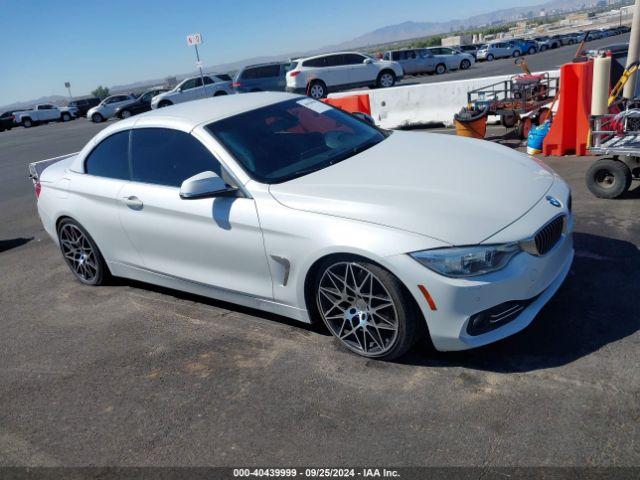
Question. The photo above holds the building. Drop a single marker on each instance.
(457, 40)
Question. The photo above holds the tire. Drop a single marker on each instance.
(543, 48)
(465, 64)
(490, 57)
(608, 178)
(441, 68)
(97, 118)
(386, 79)
(516, 53)
(509, 120)
(65, 117)
(386, 333)
(125, 114)
(81, 254)
(532, 51)
(27, 123)
(220, 93)
(317, 89)
(164, 103)
(524, 127)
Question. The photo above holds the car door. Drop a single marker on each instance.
(361, 69)
(191, 90)
(212, 241)
(427, 61)
(451, 58)
(94, 194)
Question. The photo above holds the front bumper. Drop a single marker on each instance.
(528, 279)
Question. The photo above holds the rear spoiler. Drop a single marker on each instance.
(36, 168)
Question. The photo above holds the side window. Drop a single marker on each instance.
(110, 158)
(396, 55)
(208, 81)
(411, 55)
(269, 71)
(353, 59)
(190, 84)
(315, 62)
(163, 156)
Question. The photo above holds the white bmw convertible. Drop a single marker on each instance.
(285, 204)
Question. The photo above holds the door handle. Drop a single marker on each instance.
(133, 202)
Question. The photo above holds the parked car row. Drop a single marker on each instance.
(436, 60)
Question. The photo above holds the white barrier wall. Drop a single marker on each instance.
(424, 103)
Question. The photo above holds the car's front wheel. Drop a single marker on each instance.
(465, 64)
(440, 69)
(125, 114)
(490, 57)
(97, 118)
(81, 253)
(532, 50)
(365, 307)
(66, 117)
(27, 123)
(516, 53)
(386, 79)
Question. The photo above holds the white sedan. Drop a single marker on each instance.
(285, 204)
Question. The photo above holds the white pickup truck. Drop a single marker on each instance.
(44, 113)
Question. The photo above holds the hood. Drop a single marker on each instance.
(457, 190)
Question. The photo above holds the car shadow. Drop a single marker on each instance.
(13, 243)
(594, 307)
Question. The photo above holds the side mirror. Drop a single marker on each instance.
(367, 61)
(365, 118)
(205, 185)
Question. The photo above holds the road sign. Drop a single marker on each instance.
(67, 85)
(194, 39)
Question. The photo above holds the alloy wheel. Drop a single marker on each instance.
(386, 80)
(316, 91)
(358, 309)
(125, 114)
(78, 253)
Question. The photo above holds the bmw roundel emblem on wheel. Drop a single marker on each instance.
(283, 203)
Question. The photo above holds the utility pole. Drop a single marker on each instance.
(634, 51)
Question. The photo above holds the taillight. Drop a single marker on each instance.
(38, 189)
(295, 73)
(236, 84)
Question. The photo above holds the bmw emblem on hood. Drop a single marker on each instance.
(553, 201)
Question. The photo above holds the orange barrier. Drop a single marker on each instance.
(351, 103)
(570, 127)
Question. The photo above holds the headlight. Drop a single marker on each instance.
(467, 261)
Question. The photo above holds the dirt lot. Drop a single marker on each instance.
(136, 375)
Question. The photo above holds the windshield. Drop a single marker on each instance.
(286, 140)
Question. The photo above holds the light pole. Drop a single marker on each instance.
(634, 51)
(68, 86)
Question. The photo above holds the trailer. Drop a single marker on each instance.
(521, 101)
(617, 138)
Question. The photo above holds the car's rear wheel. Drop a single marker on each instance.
(81, 253)
(66, 117)
(365, 307)
(97, 118)
(516, 53)
(465, 64)
(532, 50)
(125, 114)
(490, 57)
(386, 79)
(27, 123)
(441, 68)
(317, 89)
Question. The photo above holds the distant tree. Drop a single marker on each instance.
(101, 92)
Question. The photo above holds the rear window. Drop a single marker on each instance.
(265, 71)
(110, 158)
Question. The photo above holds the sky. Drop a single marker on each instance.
(46, 43)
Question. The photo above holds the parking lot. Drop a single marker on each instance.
(132, 374)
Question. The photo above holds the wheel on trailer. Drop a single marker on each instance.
(509, 119)
(524, 127)
(608, 178)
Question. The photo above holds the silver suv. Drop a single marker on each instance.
(498, 50)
